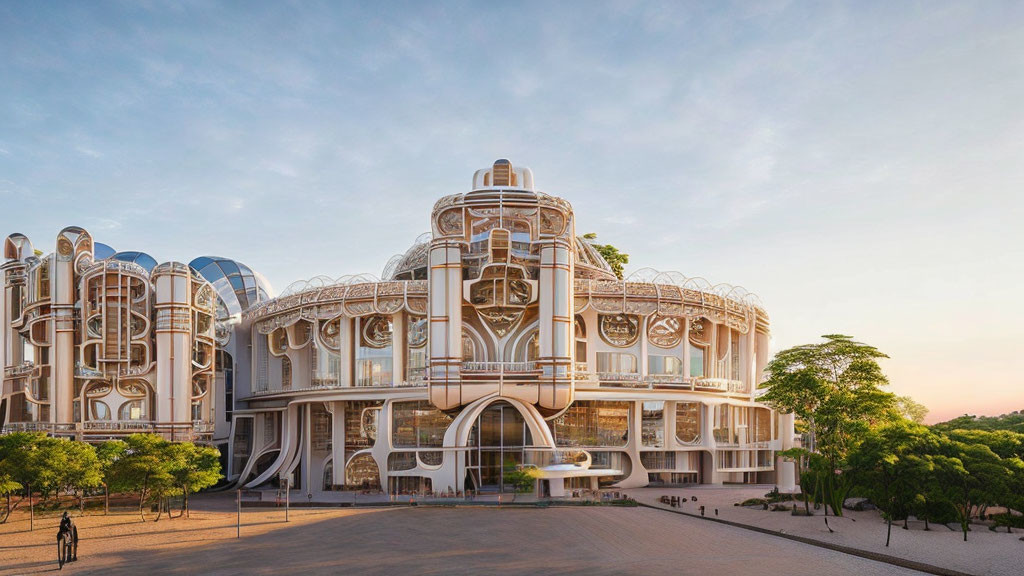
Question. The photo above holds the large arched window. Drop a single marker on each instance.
(580, 330)
(98, 410)
(362, 472)
(374, 353)
(286, 373)
(700, 342)
(132, 410)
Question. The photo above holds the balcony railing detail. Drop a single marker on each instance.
(23, 369)
(500, 367)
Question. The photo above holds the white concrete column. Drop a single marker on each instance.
(644, 365)
(346, 352)
(307, 448)
(173, 344)
(338, 442)
(749, 361)
(556, 324)
(398, 347)
(445, 323)
(62, 338)
(5, 353)
(686, 349)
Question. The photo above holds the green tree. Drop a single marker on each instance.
(521, 479)
(892, 466)
(972, 477)
(911, 409)
(80, 468)
(1014, 422)
(17, 469)
(142, 469)
(835, 388)
(108, 453)
(193, 468)
(617, 260)
(1004, 443)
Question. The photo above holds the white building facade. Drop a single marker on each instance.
(500, 340)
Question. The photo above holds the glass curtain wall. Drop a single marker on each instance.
(496, 443)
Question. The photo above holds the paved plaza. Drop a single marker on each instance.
(423, 540)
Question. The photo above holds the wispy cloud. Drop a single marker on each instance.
(797, 149)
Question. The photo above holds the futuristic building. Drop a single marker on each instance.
(97, 343)
(500, 339)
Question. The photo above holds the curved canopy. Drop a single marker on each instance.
(140, 258)
(238, 286)
(101, 251)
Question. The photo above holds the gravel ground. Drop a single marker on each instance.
(423, 540)
(985, 553)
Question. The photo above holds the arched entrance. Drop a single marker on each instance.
(496, 442)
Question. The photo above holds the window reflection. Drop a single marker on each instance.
(592, 423)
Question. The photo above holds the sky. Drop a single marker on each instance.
(859, 166)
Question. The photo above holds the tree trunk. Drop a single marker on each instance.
(106, 499)
(888, 533)
(905, 520)
(184, 501)
(926, 528)
(142, 503)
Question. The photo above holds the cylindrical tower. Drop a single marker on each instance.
(173, 344)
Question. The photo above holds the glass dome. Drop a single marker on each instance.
(237, 286)
(140, 258)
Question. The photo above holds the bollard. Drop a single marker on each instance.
(701, 511)
(716, 511)
(238, 517)
(287, 498)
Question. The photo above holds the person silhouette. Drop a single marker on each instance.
(68, 528)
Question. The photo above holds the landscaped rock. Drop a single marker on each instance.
(858, 504)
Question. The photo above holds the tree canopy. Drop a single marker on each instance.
(1014, 422)
(145, 464)
(835, 388)
(617, 260)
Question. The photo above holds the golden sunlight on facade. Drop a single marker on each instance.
(499, 339)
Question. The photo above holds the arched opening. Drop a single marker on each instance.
(361, 472)
(496, 442)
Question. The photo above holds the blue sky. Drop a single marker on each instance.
(857, 165)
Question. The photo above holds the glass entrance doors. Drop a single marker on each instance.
(495, 444)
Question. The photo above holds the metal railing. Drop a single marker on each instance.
(118, 425)
(500, 367)
(22, 369)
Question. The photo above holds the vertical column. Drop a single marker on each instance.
(5, 354)
(62, 355)
(749, 363)
(346, 351)
(338, 443)
(761, 349)
(398, 348)
(643, 363)
(556, 329)
(712, 351)
(686, 348)
(173, 344)
(307, 448)
(445, 309)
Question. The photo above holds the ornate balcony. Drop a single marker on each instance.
(23, 369)
(118, 425)
(500, 367)
(711, 385)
